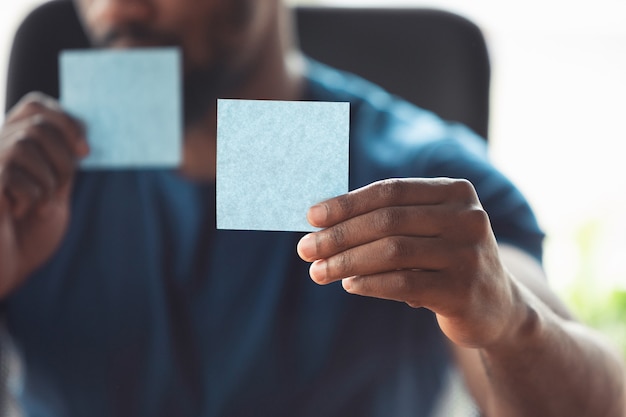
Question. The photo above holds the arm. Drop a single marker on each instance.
(39, 146)
(429, 243)
(540, 373)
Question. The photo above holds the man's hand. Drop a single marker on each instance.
(426, 242)
(39, 147)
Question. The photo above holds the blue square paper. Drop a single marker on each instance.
(130, 102)
(275, 159)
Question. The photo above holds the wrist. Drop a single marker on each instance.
(525, 325)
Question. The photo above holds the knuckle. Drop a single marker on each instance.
(38, 120)
(404, 283)
(34, 130)
(31, 103)
(463, 188)
(38, 133)
(42, 126)
(390, 189)
(34, 96)
(361, 285)
(477, 220)
(22, 185)
(34, 103)
(23, 144)
(337, 235)
(342, 263)
(407, 288)
(387, 220)
(345, 205)
(395, 248)
(37, 100)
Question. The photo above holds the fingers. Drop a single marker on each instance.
(41, 109)
(39, 147)
(37, 143)
(22, 192)
(425, 225)
(423, 221)
(413, 287)
(29, 177)
(390, 193)
(383, 255)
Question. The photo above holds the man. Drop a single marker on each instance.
(125, 300)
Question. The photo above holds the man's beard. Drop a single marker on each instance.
(201, 88)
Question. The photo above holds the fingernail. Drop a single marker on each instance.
(317, 214)
(307, 248)
(318, 271)
(347, 284)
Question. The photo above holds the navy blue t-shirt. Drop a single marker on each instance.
(148, 310)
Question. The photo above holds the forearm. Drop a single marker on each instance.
(550, 366)
(429, 243)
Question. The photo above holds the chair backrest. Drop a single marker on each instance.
(435, 59)
(33, 62)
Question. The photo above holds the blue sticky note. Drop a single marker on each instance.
(275, 159)
(130, 101)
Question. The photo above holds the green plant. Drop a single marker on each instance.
(601, 306)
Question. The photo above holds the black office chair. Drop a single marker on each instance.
(435, 59)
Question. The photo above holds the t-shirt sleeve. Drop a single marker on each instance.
(392, 138)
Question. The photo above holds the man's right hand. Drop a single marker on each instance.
(39, 149)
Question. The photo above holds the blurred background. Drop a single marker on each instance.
(558, 106)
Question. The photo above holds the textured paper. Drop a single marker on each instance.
(130, 102)
(275, 159)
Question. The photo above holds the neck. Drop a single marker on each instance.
(275, 73)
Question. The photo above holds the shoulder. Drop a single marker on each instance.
(390, 130)
(390, 137)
